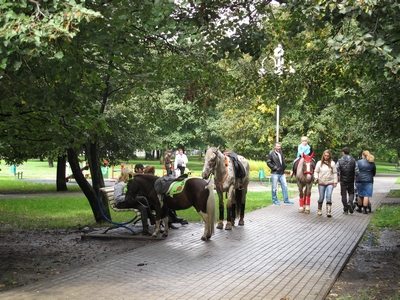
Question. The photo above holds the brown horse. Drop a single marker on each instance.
(304, 176)
(196, 193)
(227, 179)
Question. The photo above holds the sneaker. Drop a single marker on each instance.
(345, 212)
(277, 203)
(350, 208)
(288, 202)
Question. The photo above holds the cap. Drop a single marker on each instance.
(139, 166)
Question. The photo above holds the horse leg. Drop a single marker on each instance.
(307, 204)
(157, 229)
(301, 198)
(308, 196)
(233, 214)
(220, 224)
(165, 233)
(241, 220)
(228, 225)
(229, 205)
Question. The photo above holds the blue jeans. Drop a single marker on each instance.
(325, 190)
(282, 179)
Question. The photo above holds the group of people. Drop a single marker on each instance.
(141, 202)
(180, 162)
(351, 175)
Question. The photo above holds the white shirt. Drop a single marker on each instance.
(180, 159)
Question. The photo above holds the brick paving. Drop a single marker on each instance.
(279, 254)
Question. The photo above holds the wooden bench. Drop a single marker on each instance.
(108, 193)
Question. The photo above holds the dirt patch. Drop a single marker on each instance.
(29, 256)
(373, 271)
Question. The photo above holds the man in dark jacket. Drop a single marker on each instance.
(276, 162)
(347, 170)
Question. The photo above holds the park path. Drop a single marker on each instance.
(278, 254)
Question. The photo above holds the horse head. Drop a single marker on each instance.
(308, 158)
(308, 167)
(133, 189)
(210, 161)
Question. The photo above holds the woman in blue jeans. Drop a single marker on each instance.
(325, 174)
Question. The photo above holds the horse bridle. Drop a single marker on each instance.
(212, 164)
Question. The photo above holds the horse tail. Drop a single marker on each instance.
(211, 209)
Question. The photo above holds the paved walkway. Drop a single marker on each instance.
(278, 254)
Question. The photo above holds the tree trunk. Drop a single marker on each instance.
(61, 183)
(87, 189)
(51, 163)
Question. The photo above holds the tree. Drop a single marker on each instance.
(58, 98)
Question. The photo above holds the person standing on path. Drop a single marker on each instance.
(347, 170)
(325, 174)
(180, 161)
(276, 162)
(365, 180)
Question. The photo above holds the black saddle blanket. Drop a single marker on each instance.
(240, 172)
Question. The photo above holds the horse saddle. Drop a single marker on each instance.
(163, 184)
(238, 168)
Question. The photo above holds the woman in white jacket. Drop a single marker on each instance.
(325, 174)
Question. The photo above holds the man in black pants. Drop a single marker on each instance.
(347, 170)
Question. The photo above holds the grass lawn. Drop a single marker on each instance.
(66, 210)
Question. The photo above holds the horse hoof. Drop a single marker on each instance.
(307, 211)
(203, 238)
(220, 226)
(228, 226)
(165, 235)
(241, 223)
(154, 235)
(301, 210)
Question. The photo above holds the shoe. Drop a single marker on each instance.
(172, 226)
(345, 212)
(277, 203)
(288, 202)
(178, 220)
(184, 222)
(350, 208)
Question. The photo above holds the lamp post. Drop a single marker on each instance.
(279, 68)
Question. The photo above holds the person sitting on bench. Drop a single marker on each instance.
(139, 203)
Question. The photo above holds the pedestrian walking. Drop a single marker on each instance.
(347, 170)
(325, 174)
(365, 181)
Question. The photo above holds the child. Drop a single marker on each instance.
(305, 148)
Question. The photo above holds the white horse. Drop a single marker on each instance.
(227, 179)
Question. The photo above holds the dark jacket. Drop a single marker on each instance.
(347, 168)
(367, 171)
(274, 163)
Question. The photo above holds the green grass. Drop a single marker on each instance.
(12, 186)
(66, 212)
(69, 211)
(387, 217)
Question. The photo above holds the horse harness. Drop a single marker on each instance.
(237, 167)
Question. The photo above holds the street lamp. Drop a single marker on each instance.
(279, 68)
